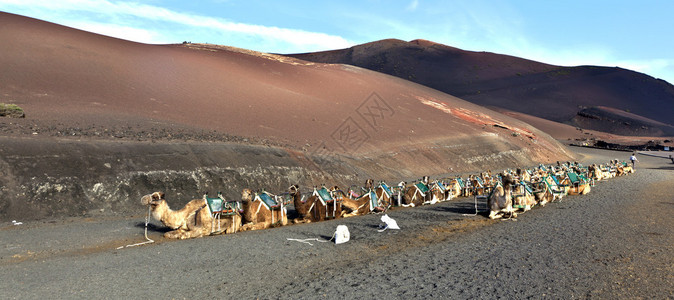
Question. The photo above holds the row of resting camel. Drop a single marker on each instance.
(506, 194)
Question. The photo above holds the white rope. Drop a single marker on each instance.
(472, 215)
(147, 220)
(311, 239)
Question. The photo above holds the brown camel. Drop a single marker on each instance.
(261, 211)
(416, 194)
(478, 185)
(543, 193)
(523, 174)
(314, 208)
(364, 204)
(500, 201)
(453, 189)
(595, 172)
(385, 195)
(192, 221)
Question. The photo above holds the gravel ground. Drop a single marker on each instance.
(615, 242)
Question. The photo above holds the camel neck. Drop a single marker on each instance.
(300, 206)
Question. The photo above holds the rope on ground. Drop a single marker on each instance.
(475, 214)
(148, 240)
(311, 239)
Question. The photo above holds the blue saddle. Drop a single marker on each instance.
(386, 189)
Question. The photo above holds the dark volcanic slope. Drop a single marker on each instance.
(608, 119)
(547, 91)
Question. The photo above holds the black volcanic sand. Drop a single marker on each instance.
(615, 242)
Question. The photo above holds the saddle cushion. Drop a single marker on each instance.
(324, 195)
(374, 202)
(219, 205)
(422, 187)
(269, 201)
(214, 204)
(386, 189)
(441, 186)
(573, 177)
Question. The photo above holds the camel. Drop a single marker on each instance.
(478, 185)
(453, 189)
(356, 207)
(595, 172)
(524, 198)
(398, 193)
(623, 169)
(500, 201)
(192, 221)
(627, 169)
(385, 195)
(314, 209)
(415, 195)
(261, 211)
(558, 190)
(577, 184)
(523, 175)
(543, 193)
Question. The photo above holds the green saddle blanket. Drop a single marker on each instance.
(324, 195)
(269, 201)
(574, 178)
(422, 187)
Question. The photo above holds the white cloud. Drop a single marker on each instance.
(413, 5)
(138, 22)
(122, 32)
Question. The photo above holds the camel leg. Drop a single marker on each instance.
(254, 226)
(301, 221)
(183, 234)
(174, 234)
(585, 190)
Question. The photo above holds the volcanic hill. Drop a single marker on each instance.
(107, 120)
(556, 93)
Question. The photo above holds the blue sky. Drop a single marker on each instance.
(635, 35)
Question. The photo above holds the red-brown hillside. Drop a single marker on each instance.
(551, 92)
(64, 77)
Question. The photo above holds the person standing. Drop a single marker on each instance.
(633, 159)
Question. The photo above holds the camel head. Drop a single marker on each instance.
(152, 199)
(369, 184)
(336, 192)
(294, 189)
(246, 195)
(507, 180)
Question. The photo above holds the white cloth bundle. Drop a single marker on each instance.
(342, 234)
(390, 223)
